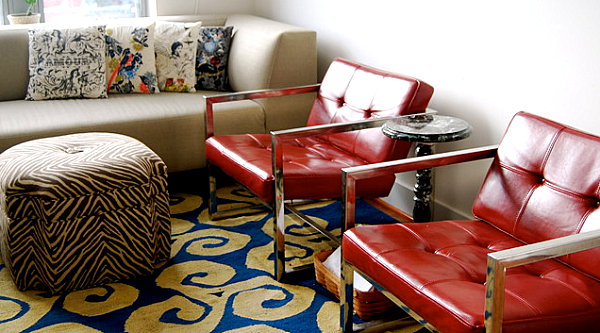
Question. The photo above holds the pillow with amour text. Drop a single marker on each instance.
(66, 63)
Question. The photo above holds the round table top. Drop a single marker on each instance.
(427, 128)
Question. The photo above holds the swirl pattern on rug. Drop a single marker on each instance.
(218, 280)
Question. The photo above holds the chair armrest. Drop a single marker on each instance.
(254, 94)
(278, 137)
(299, 132)
(499, 261)
(352, 174)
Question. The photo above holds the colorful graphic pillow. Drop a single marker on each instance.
(175, 47)
(130, 64)
(211, 60)
(66, 63)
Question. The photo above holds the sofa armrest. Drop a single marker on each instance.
(253, 94)
(267, 54)
(498, 262)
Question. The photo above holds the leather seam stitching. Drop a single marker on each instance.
(420, 290)
(530, 192)
(534, 309)
(573, 290)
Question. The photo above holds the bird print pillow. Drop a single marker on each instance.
(212, 57)
(130, 63)
(175, 47)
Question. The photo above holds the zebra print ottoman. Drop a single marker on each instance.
(82, 210)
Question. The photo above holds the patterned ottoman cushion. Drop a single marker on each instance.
(82, 210)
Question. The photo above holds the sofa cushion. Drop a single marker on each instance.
(175, 47)
(130, 63)
(260, 43)
(161, 121)
(212, 56)
(66, 63)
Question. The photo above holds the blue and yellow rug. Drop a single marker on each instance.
(218, 280)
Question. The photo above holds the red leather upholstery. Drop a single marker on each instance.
(544, 187)
(544, 183)
(312, 166)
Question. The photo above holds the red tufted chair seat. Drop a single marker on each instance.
(544, 183)
(311, 166)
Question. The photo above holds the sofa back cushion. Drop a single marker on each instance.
(206, 19)
(544, 183)
(14, 62)
(265, 54)
(351, 92)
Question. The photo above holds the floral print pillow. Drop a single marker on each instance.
(175, 48)
(66, 63)
(130, 63)
(211, 60)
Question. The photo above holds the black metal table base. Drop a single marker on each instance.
(423, 187)
(425, 129)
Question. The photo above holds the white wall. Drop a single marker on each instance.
(486, 59)
(175, 7)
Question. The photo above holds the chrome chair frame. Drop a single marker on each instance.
(277, 139)
(209, 132)
(497, 262)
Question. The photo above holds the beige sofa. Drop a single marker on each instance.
(264, 54)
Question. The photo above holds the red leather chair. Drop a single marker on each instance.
(539, 201)
(308, 160)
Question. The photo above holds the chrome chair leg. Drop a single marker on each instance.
(346, 297)
(278, 220)
(278, 208)
(212, 190)
(279, 242)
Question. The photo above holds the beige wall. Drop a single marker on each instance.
(175, 7)
(486, 59)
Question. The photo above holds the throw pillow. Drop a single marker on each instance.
(66, 63)
(130, 63)
(175, 46)
(211, 63)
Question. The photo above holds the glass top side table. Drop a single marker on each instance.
(426, 129)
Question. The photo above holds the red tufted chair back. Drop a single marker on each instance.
(351, 92)
(544, 187)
